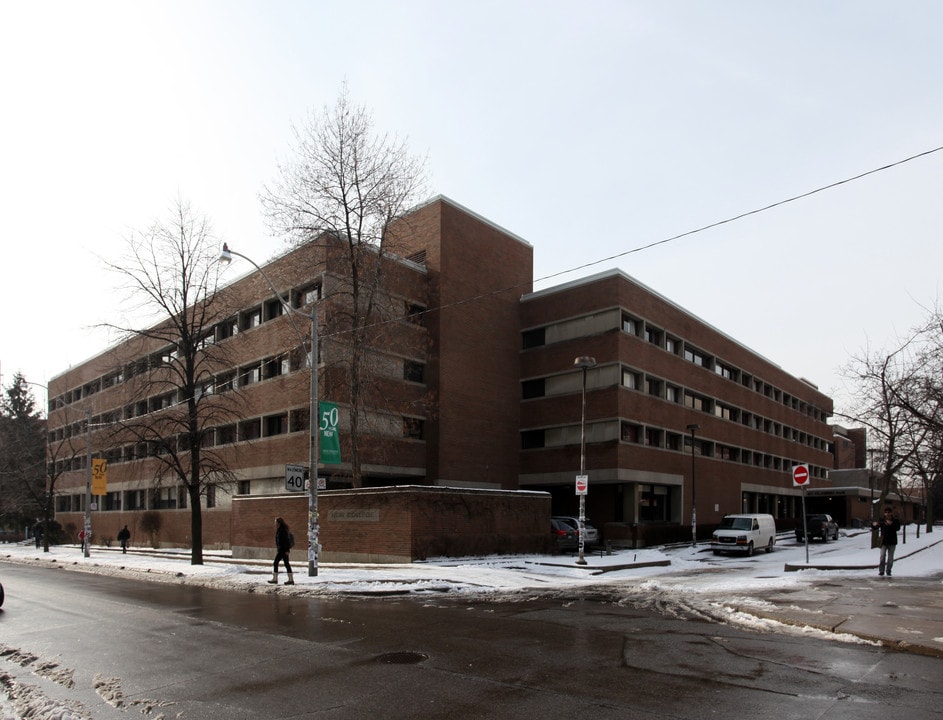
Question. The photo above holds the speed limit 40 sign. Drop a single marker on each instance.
(295, 478)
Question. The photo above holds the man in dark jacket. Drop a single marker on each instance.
(283, 542)
(124, 535)
(888, 528)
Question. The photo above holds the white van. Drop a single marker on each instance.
(744, 533)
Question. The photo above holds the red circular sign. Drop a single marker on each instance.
(800, 474)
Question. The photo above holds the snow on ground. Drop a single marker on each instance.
(679, 580)
(679, 568)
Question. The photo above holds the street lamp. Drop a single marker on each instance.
(313, 422)
(584, 363)
(692, 428)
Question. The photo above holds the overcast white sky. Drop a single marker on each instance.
(588, 129)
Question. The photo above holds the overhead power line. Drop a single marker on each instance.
(664, 241)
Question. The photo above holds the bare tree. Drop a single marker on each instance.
(346, 188)
(172, 272)
(900, 400)
(878, 378)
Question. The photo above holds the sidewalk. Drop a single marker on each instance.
(838, 592)
(901, 613)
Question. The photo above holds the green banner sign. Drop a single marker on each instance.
(330, 436)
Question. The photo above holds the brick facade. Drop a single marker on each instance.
(397, 524)
(472, 386)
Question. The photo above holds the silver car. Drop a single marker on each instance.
(590, 533)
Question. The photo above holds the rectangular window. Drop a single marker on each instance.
(250, 429)
(273, 309)
(653, 437)
(654, 387)
(533, 338)
(415, 314)
(134, 499)
(113, 501)
(250, 319)
(697, 402)
(249, 375)
(654, 335)
(225, 434)
(654, 503)
(227, 328)
(276, 424)
(307, 295)
(532, 439)
(210, 496)
(244, 487)
(630, 325)
(413, 428)
(630, 433)
(273, 367)
(165, 499)
(672, 394)
(728, 373)
(413, 371)
(631, 379)
(697, 357)
(532, 389)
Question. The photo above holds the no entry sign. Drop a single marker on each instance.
(800, 475)
(582, 484)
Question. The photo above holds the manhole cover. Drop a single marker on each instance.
(402, 658)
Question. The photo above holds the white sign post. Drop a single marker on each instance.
(800, 478)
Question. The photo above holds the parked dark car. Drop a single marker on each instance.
(563, 535)
(819, 525)
(590, 533)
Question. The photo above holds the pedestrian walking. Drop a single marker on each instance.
(283, 544)
(124, 536)
(887, 528)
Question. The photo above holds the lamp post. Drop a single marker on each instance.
(584, 363)
(313, 420)
(692, 428)
(87, 531)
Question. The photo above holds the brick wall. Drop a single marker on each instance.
(174, 527)
(397, 524)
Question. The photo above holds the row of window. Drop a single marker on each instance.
(661, 438)
(676, 346)
(166, 498)
(230, 327)
(664, 390)
(656, 387)
(658, 337)
(246, 430)
(256, 372)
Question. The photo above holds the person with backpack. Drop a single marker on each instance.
(284, 541)
(124, 537)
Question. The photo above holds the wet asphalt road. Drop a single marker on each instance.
(131, 649)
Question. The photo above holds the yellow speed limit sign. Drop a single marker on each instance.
(99, 476)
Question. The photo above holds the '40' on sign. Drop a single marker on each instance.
(295, 478)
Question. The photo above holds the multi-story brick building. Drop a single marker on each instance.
(674, 409)
(474, 387)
